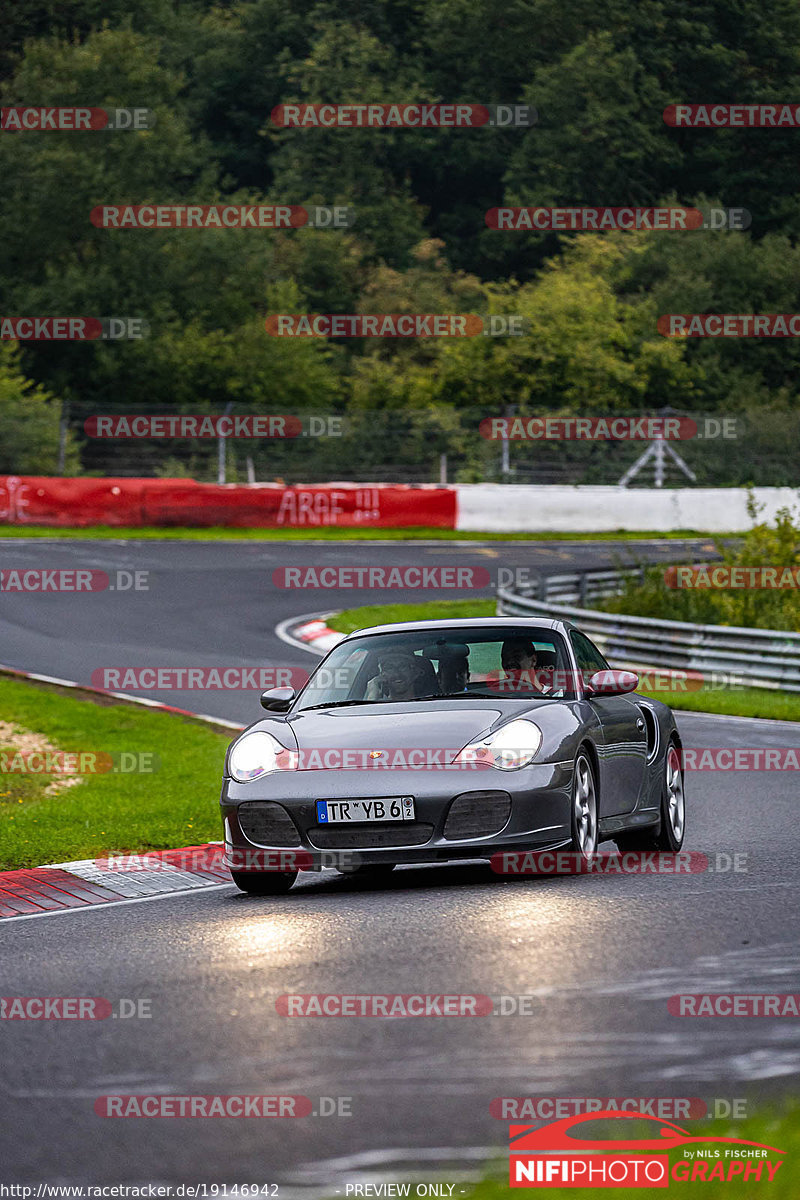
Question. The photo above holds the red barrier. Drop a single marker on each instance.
(50, 500)
(31, 500)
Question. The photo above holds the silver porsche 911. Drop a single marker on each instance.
(440, 740)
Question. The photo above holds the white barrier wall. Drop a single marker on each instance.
(530, 508)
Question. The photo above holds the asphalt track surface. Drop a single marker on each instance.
(599, 956)
(215, 604)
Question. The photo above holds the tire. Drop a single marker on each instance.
(583, 812)
(370, 870)
(264, 883)
(672, 826)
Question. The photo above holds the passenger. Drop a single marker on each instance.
(453, 674)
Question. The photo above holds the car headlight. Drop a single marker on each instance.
(512, 747)
(256, 754)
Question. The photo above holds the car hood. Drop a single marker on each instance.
(428, 725)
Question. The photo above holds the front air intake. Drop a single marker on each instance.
(265, 823)
(477, 814)
(410, 833)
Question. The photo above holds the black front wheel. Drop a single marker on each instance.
(265, 883)
(670, 833)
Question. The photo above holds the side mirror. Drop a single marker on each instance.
(278, 699)
(612, 683)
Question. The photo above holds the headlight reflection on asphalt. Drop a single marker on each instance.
(259, 932)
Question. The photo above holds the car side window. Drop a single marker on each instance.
(587, 655)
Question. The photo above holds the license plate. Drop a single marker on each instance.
(387, 808)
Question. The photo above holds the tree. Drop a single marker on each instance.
(29, 422)
(584, 348)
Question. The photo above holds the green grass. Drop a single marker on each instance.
(747, 702)
(327, 533)
(176, 805)
(384, 614)
(781, 1130)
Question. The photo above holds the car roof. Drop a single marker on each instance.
(466, 623)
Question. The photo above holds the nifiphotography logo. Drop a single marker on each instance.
(614, 1149)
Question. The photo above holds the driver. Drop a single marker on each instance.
(397, 677)
(518, 659)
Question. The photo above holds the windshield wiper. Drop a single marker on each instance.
(499, 695)
(432, 696)
(459, 696)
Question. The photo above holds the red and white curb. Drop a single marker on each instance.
(318, 635)
(121, 696)
(112, 879)
(67, 887)
(308, 633)
(71, 886)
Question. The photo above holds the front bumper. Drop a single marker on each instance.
(534, 815)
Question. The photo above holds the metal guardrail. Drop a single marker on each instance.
(581, 587)
(767, 658)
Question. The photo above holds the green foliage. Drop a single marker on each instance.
(765, 545)
(599, 75)
(584, 348)
(29, 420)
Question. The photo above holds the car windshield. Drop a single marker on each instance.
(426, 665)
